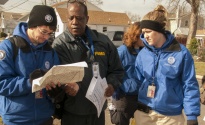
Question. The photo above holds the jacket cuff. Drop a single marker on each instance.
(192, 117)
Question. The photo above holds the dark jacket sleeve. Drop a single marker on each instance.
(115, 70)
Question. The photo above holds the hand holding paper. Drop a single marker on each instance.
(63, 74)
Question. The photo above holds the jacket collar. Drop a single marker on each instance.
(174, 46)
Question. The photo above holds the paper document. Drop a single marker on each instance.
(63, 74)
(96, 92)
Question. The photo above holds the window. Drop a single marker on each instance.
(186, 23)
(104, 29)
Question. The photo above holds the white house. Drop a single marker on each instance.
(98, 19)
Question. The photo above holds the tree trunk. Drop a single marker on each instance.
(193, 19)
(192, 27)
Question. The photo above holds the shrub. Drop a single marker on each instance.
(193, 46)
(2, 34)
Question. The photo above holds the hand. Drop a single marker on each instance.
(36, 74)
(56, 92)
(109, 90)
(53, 90)
(71, 89)
(116, 94)
(192, 122)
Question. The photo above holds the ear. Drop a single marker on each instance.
(87, 19)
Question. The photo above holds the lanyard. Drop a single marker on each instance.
(92, 49)
(156, 62)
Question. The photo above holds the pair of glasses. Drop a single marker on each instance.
(45, 33)
(79, 1)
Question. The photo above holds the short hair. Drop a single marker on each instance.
(81, 4)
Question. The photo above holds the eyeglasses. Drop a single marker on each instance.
(45, 33)
(79, 1)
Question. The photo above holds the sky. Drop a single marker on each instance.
(139, 7)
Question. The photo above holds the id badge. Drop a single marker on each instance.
(151, 91)
(95, 67)
(39, 94)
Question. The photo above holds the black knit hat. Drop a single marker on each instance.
(42, 15)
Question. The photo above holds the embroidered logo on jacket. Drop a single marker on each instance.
(2, 54)
(171, 60)
(99, 53)
(47, 65)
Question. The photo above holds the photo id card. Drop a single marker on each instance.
(95, 67)
(151, 91)
(39, 94)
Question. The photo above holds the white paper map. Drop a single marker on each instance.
(63, 74)
(96, 92)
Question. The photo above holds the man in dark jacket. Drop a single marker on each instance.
(79, 43)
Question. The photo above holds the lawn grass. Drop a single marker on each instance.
(200, 68)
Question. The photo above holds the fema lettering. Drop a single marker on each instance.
(99, 53)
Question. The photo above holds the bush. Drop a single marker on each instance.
(193, 46)
(2, 34)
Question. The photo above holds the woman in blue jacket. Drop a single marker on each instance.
(125, 98)
(30, 52)
(166, 72)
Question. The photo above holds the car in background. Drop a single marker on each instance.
(116, 37)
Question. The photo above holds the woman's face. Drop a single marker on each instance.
(153, 38)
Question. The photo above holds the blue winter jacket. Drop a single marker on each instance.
(172, 69)
(128, 57)
(18, 105)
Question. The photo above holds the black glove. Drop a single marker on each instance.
(192, 122)
(57, 93)
(116, 94)
(36, 74)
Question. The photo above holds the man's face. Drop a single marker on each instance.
(40, 33)
(77, 19)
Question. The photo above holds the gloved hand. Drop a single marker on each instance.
(36, 74)
(192, 122)
(116, 94)
(57, 93)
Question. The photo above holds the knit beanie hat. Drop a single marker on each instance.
(42, 15)
(155, 20)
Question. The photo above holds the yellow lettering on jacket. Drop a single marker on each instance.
(99, 53)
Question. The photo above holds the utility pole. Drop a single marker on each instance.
(45, 2)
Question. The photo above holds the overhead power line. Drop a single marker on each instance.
(16, 6)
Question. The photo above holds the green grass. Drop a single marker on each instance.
(200, 68)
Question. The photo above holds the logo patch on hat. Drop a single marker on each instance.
(48, 18)
(2, 54)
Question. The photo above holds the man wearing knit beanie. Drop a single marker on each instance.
(27, 53)
(166, 76)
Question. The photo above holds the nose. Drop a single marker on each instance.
(75, 20)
